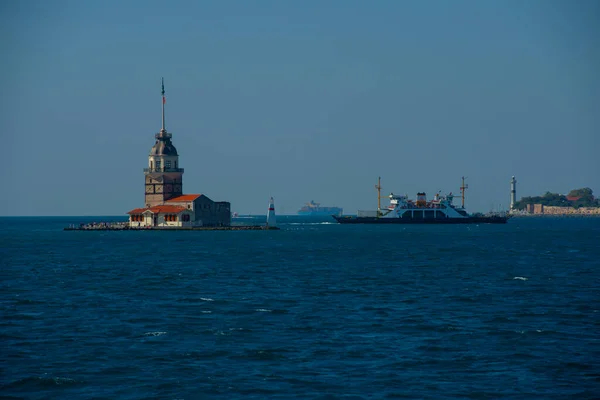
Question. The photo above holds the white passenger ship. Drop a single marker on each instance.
(439, 210)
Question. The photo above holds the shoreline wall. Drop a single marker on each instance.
(540, 209)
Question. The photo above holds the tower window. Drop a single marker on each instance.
(168, 164)
(158, 164)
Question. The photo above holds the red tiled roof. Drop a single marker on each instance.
(137, 211)
(573, 198)
(185, 197)
(158, 209)
(167, 209)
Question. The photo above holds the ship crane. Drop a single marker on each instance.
(463, 188)
(378, 187)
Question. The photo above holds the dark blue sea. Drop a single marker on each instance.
(316, 310)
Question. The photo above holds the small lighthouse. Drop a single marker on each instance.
(513, 193)
(271, 219)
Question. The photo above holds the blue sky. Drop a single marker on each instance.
(297, 100)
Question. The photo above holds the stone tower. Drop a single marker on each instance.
(163, 177)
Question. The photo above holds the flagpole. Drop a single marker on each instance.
(163, 103)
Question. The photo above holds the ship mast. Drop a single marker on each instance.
(378, 187)
(462, 191)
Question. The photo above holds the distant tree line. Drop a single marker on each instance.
(586, 199)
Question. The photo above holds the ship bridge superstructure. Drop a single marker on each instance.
(439, 207)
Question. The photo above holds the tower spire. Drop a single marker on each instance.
(163, 102)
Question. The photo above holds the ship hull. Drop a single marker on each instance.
(375, 220)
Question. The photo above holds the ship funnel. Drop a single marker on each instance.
(421, 199)
(271, 219)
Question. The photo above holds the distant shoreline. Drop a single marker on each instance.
(556, 216)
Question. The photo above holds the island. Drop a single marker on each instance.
(577, 202)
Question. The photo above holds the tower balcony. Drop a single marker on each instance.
(154, 170)
(163, 135)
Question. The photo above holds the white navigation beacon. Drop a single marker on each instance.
(513, 192)
(271, 219)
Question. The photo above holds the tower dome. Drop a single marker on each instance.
(163, 145)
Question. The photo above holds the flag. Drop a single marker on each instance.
(164, 99)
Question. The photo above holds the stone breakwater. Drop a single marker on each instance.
(124, 226)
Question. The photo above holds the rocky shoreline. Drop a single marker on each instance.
(120, 226)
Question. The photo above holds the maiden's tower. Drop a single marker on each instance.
(165, 205)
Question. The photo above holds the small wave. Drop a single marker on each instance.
(206, 299)
(62, 381)
(42, 381)
(218, 332)
(263, 354)
(206, 312)
(22, 317)
(522, 332)
(19, 302)
(312, 223)
(155, 333)
(263, 310)
(521, 278)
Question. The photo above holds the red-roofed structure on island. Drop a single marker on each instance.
(166, 204)
(158, 210)
(573, 198)
(185, 197)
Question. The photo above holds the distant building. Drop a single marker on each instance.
(165, 203)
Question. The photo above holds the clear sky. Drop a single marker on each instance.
(297, 100)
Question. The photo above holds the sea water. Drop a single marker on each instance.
(315, 310)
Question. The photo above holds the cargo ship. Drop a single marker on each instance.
(439, 210)
(315, 209)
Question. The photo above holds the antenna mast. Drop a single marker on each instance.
(378, 187)
(462, 191)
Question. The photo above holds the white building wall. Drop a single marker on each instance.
(162, 222)
(146, 221)
(148, 218)
(184, 204)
